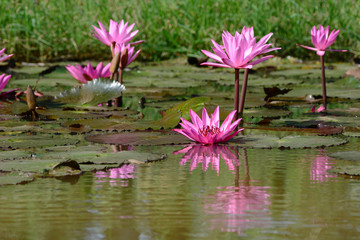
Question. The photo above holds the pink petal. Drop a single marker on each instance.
(260, 60)
(195, 119)
(336, 50)
(215, 65)
(229, 63)
(320, 53)
(211, 55)
(310, 48)
(205, 118)
(227, 121)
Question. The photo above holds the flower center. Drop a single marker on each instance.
(205, 130)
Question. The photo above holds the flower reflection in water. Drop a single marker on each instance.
(238, 208)
(231, 208)
(319, 168)
(116, 175)
(208, 155)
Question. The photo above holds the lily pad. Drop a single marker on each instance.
(15, 154)
(25, 141)
(346, 170)
(288, 142)
(352, 134)
(15, 178)
(315, 121)
(350, 155)
(140, 138)
(67, 160)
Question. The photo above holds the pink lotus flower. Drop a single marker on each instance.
(6, 57)
(208, 154)
(208, 130)
(4, 79)
(240, 49)
(131, 54)
(322, 40)
(118, 33)
(88, 73)
(320, 109)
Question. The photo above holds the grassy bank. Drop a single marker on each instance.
(40, 30)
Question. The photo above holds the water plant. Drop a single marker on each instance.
(119, 33)
(208, 130)
(88, 73)
(320, 109)
(4, 79)
(127, 55)
(321, 40)
(118, 38)
(240, 50)
(6, 57)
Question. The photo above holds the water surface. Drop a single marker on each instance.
(229, 193)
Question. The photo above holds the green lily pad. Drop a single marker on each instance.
(352, 134)
(70, 160)
(346, 170)
(56, 113)
(140, 138)
(15, 178)
(28, 165)
(25, 141)
(289, 142)
(316, 120)
(350, 155)
(15, 154)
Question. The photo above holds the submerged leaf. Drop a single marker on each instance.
(92, 93)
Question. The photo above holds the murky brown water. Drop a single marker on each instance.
(247, 193)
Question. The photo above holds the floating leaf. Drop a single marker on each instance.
(139, 138)
(346, 170)
(352, 134)
(350, 155)
(15, 178)
(92, 93)
(290, 142)
(31, 141)
(71, 160)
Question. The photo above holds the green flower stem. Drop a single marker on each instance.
(323, 81)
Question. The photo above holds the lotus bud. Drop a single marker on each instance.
(30, 98)
(115, 63)
(124, 58)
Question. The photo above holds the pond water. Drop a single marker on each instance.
(67, 176)
(260, 194)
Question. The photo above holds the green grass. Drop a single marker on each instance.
(40, 30)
